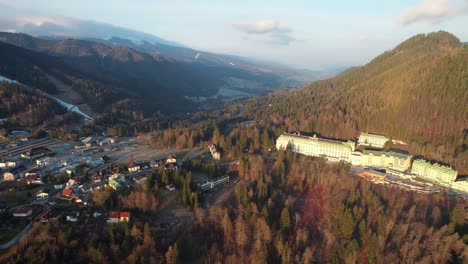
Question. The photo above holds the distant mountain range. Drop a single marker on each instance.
(159, 77)
(57, 27)
(417, 92)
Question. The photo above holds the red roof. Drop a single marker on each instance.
(124, 214)
(67, 192)
(78, 178)
(119, 215)
(23, 210)
(114, 215)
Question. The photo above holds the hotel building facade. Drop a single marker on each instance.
(434, 172)
(316, 147)
(372, 140)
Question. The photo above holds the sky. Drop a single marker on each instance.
(308, 34)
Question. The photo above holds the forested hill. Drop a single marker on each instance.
(417, 92)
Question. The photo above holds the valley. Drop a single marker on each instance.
(122, 150)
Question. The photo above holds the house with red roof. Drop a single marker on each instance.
(23, 212)
(67, 193)
(116, 217)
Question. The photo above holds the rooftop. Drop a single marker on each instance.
(67, 192)
(393, 153)
(23, 210)
(114, 215)
(370, 135)
(124, 214)
(433, 165)
(119, 214)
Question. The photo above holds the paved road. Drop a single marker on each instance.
(16, 238)
(23, 232)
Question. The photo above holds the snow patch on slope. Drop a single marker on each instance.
(71, 107)
(2, 78)
(68, 106)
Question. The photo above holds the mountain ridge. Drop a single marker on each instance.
(151, 76)
(416, 92)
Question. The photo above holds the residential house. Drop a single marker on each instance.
(96, 177)
(72, 216)
(89, 140)
(116, 217)
(67, 193)
(105, 159)
(171, 160)
(171, 187)
(139, 179)
(156, 163)
(23, 212)
(106, 141)
(32, 173)
(52, 200)
(8, 164)
(49, 215)
(45, 162)
(215, 152)
(42, 195)
(114, 184)
(71, 184)
(133, 167)
(14, 173)
(77, 200)
(94, 186)
(59, 186)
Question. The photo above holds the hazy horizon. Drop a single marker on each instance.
(304, 35)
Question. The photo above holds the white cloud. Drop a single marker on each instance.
(433, 11)
(362, 38)
(262, 27)
(17, 20)
(276, 33)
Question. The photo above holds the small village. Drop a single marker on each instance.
(48, 179)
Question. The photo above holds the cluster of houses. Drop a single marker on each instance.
(169, 163)
(373, 155)
(75, 189)
(95, 141)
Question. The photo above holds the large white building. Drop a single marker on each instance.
(461, 184)
(392, 159)
(372, 140)
(434, 172)
(316, 147)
